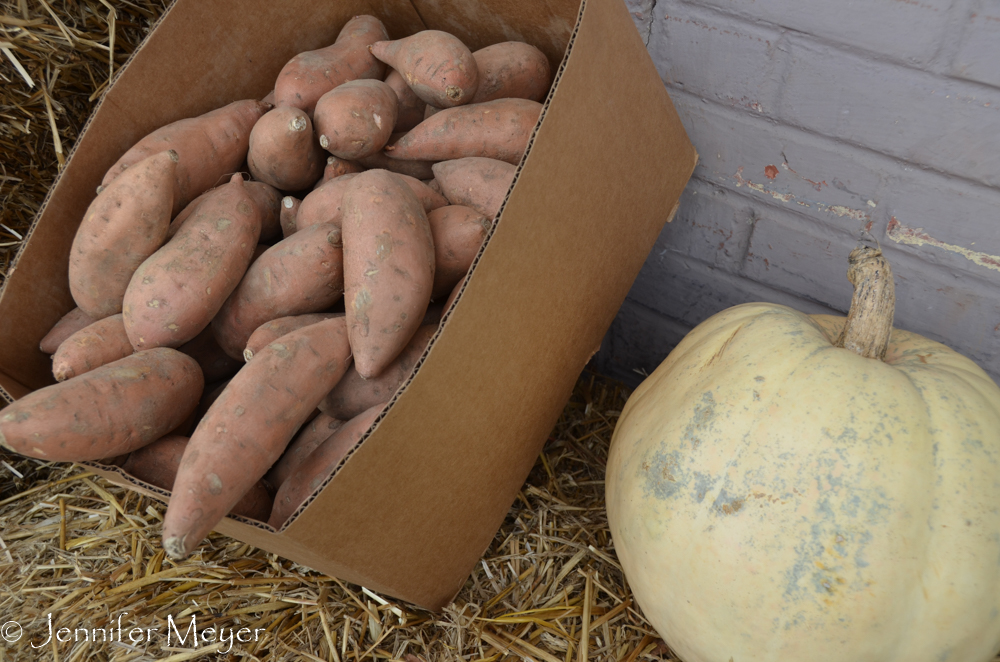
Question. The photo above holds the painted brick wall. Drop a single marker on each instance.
(813, 120)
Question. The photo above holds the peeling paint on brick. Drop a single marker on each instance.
(836, 210)
(902, 234)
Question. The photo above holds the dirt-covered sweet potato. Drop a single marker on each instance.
(497, 129)
(67, 325)
(512, 69)
(475, 182)
(437, 66)
(458, 233)
(300, 274)
(311, 74)
(319, 465)
(388, 267)
(411, 107)
(353, 394)
(108, 411)
(247, 429)
(268, 332)
(309, 436)
(211, 148)
(284, 151)
(179, 289)
(215, 364)
(289, 212)
(356, 119)
(91, 347)
(125, 224)
(157, 464)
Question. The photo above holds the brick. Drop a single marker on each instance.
(637, 342)
(945, 124)
(642, 16)
(711, 225)
(716, 56)
(783, 166)
(910, 30)
(979, 54)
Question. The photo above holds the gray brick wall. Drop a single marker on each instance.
(814, 120)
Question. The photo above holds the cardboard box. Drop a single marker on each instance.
(413, 508)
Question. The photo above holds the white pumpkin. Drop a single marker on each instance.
(775, 497)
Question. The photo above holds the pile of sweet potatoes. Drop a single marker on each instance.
(235, 339)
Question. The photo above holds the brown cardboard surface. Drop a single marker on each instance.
(414, 507)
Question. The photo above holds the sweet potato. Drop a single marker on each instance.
(310, 75)
(268, 332)
(323, 204)
(185, 214)
(215, 364)
(67, 325)
(336, 166)
(211, 147)
(411, 107)
(320, 465)
(125, 224)
(511, 69)
(289, 210)
(475, 182)
(356, 119)
(382, 161)
(453, 295)
(388, 267)
(284, 151)
(108, 411)
(458, 234)
(180, 288)
(300, 274)
(248, 428)
(91, 347)
(268, 201)
(437, 66)
(157, 464)
(353, 394)
(309, 436)
(495, 129)
(428, 197)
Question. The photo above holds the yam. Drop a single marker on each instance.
(91, 347)
(306, 440)
(356, 119)
(268, 332)
(382, 161)
(437, 66)
(215, 364)
(125, 224)
(310, 75)
(268, 201)
(497, 129)
(475, 182)
(289, 211)
(179, 289)
(458, 234)
(284, 151)
(411, 107)
(67, 325)
(512, 69)
(247, 429)
(300, 274)
(388, 267)
(108, 411)
(323, 204)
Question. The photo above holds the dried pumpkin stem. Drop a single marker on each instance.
(869, 321)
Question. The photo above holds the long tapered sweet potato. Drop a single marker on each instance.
(411, 107)
(108, 411)
(512, 69)
(382, 161)
(300, 274)
(309, 436)
(67, 325)
(320, 465)
(157, 465)
(179, 289)
(388, 267)
(475, 182)
(353, 394)
(497, 129)
(458, 234)
(310, 75)
(284, 151)
(428, 197)
(268, 201)
(91, 347)
(215, 364)
(211, 147)
(356, 119)
(268, 332)
(125, 224)
(437, 66)
(248, 428)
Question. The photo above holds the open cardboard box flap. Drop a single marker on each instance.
(411, 511)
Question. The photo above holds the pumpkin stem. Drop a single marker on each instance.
(869, 321)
